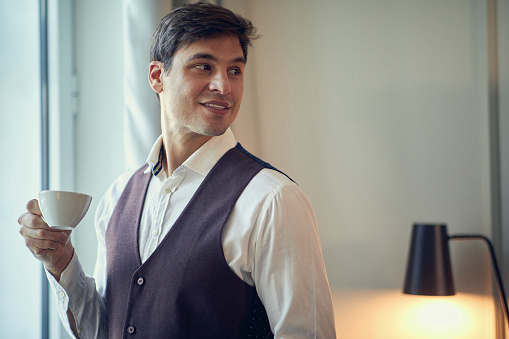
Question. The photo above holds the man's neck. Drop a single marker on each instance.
(178, 149)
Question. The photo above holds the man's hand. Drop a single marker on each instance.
(52, 247)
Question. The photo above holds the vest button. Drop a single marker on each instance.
(140, 281)
(131, 329)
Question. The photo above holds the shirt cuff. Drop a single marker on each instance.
(70, 277)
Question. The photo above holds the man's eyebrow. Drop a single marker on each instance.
(210, 57)
(242, 60)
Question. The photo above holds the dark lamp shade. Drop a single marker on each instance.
(429, 263)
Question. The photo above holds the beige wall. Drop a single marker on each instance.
(379, 111)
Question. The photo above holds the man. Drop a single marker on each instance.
(206, 241)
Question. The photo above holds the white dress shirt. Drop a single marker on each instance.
(270, 241)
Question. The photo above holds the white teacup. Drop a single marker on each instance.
(63, 210)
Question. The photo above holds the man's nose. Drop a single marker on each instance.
(220, 83)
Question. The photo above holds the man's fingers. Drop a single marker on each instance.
(45, 234)
(32, 221)
(37, 246)
(33, 207)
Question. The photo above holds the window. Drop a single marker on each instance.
(25, 311)
(20, 179)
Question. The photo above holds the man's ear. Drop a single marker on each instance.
(155, 76)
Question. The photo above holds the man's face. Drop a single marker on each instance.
(202, 92)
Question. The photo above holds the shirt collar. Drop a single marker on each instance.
(201, 161)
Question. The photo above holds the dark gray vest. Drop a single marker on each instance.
(185, 289)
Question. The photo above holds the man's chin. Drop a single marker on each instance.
(215, 131)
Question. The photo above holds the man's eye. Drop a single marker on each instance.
(203, 67)
(234, 71)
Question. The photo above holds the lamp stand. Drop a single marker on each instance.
(498, 277)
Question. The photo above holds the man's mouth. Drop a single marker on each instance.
(217, 105)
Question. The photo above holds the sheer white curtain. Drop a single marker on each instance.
(141, 109)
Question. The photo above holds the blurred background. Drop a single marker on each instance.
(386, 113)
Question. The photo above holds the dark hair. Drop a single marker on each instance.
(196, 21)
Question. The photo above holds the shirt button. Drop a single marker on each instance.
(168, 190)
(131, 329)
(140, 281)
(155, 232)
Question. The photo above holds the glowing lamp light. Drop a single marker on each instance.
(439, 318)
(429, 273)
(390, 314)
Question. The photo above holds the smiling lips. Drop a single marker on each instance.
(217, 105)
